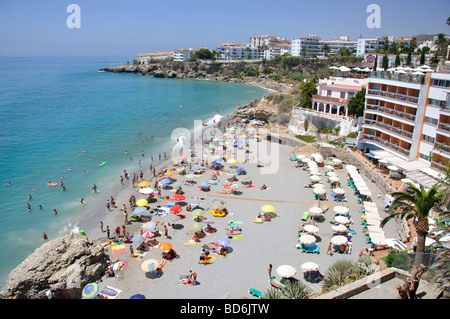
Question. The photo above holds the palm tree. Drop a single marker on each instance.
(417, 206)
(441, 43)
(326, 49)
(292, 290)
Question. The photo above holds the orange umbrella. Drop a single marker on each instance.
(169, 173)
(165, 246)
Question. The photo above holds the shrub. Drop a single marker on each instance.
(306, 138)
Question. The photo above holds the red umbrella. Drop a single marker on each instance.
(178, 197)
(175, 209)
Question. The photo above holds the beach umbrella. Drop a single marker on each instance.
(165, 181)
(319, 191)
(204, 184)
(338, 191)
(146, 191)
(139, 210)
(178, 197)
(165, 246)
(339, 228)
(175, 209)
(198, 212)
(232, 161)
(338, 240)
(311, 229)
(334, 179)
(169, 173)
(138, 296)
(196, 167)
(268, 208)
(307, 239)
(138, 239)
(180, 168)
(224, 241)
(318, 185)
(314, 171)
(286, 271)
(195, 201)
(340, 209)
(235, 186)
(196, 227)
(175, 218)
(329, 168)
(141, 202)
(316, 210)
(144, 184)
(150, 226)
(239, 170)
(150, 266)
(218, 204)
(315, 178)
(231, 173)
(331, 174)
(190, 175)
(90, 291)
(148, 234)
(309, 266)
(341, 220)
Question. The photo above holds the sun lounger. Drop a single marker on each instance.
(305, 216)
(275, 283)
(313, 248)
(256, 293)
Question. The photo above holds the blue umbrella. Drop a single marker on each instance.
(239, 170)
(217, 161)
(137, 296)
(139, 210)
(138, 239)
(196, 167)
(204, 184)
(224, 241)
(165, 181)
(90, 291)
(190, 175)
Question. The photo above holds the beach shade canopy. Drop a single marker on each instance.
(338, 240)
(341, 220)
(318, 185)
(138, 296)
(150, 266)
(268, 208)
(169, 173)
(319, 191)
(150, 226)
(286, 271)
(331, 174)
(340, 209)
(196, 167)
(165, 246)
(339, 228)
(204, 184)
(141, 202)
(311, 229)
(138, 239)
(309, 266)
(144, 184)
(175, 209)
(90, 291)
(329, 168)
(139, 210)
(316, 210)
(317, 157)
(146, 190)
(148, 234)
(180, 168)
(196, 227)
(239, 170)
(334, 179)
(339, 191)
(189, 175)
(223, 241)
(231, 173)
(198, 212)
(218, 204)
(307, 239)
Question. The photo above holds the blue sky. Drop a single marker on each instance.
(127, 28)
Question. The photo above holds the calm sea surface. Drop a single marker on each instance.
(60, 118)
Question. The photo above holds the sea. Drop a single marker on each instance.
(60, 118)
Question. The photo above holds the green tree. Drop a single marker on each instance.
(422, 57)
(441, 43)
(203, 54)
(397, 60)
(416, 205)
(356, 104)
(375, 63)
(307, 90)
(344, 52)
(408, 59)
(385, 62)
(326, 49)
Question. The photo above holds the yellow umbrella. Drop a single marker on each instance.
(268, 208)
(169, 173)
(141, 202)
(231, 160)
(150, 265)
(144, 184)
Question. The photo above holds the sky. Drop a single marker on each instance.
(127, 28)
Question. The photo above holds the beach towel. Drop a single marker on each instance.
(119, 249)
(305, 216)
(138, 255)
(275, 283)
(119, 265)
(237, 237)
(237, 222)
(109, 292)
(191, 244)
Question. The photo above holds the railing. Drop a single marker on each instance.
(442, 147)
(392, 146)
(416, 78)
(330, 99)
(444, 127)
(391, 128)
(396, 96)
(387, 110)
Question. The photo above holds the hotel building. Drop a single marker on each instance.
(408, 115)
(306, 46)
(183, 55)
(146, 57)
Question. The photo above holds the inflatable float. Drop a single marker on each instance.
(218, 213)
(52, 184)
(102, 164)
(207, 260)
(258, 220)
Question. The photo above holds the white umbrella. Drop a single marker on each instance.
(338, 240)
(334, 179)
(336, 160)
(399, 71)
(392, 168)
(344, 68)
(340, 209)
(316, 210)
(357, 69)
(319, 191)
(286, 271)
(339, 191)
(318, 185)
(331, 174)
(311, 229)
(329, 168)
(339, 228)
(341, 220)
(315, 178)
(317, 157)
(146, 191)
(366, 69)
(307, 239)
(309, 266)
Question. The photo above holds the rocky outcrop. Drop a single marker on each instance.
(64, 266)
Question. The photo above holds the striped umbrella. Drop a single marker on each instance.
(198, 212)
(218, 204)
(196, 227)
(90, 291)
(150, 266)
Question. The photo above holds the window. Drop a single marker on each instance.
(428, 138)
(442, 83)
(431, 120)
(342, 95)
(425, 157)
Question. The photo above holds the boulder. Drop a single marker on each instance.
(63, 265)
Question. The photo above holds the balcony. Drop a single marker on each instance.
(410, 78)
(330, 99)
(390, 128)
(395, 96)
(442, 147)
(403, 115)
(386, 144)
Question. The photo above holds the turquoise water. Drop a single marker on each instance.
(60, 113)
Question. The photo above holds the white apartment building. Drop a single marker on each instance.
(335, 45)
(231, 52)
(367, 45)
(155, 56)
(306, 46)
(183, 55)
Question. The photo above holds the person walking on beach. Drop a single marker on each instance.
(101, 226)
(118, 231)
(270, 271)
(121, 179)
(82, 200)
(124, 230)
(125, 215)
(107, 231)
(108, 205)
(113, 202)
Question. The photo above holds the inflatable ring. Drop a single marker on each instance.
(207, 259)
(102, 164)
(258, 220)
(218, 213)
(134, 218)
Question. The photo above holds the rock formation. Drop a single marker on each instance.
(64, 266)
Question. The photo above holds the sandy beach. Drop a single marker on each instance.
(245, 266)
